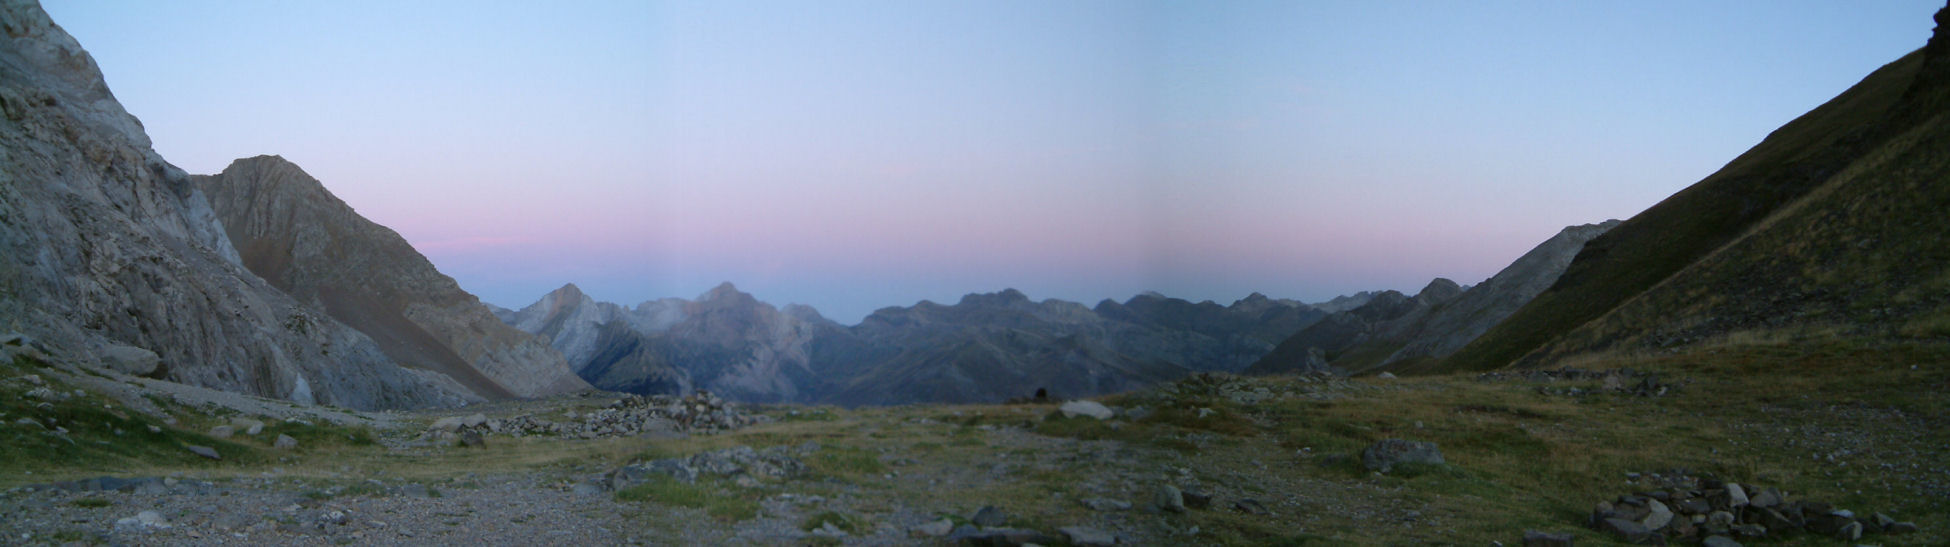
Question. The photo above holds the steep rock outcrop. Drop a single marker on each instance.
(1352, 333)
(103, 243)
(1450, 326)
(292, 232)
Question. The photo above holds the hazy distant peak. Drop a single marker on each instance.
(567, 291)
(722, 291)
(1004, 297)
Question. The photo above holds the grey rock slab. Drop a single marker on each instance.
(284, 442)
(1383, 456)
(222, 431)
(1092, 409)
(204, 451)
(130, 360)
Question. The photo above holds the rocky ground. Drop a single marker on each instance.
(1211, 459)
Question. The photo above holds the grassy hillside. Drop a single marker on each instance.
(1839, 423)
(1662, 243)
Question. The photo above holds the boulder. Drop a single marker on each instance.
(130, 360)
(1195, 499)
(1092, 409)
(285, 442)
(1170, 499)
(1630, 531)
(1385, 455)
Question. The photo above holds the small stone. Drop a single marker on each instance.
(1385, 376)
(1539, 538)
(1736, 496)
(248, 426)
(988, 517)
(284, 442)
(1751, 530)
(1630, 531)
(1850, 532)
(1881, 521)
(204, 451)
(1082, 535)
(471, 439)
(154, 429)
(1195, 499)
(222, 431)
(1170, 499)
(1092, 409)
(1719, 541)
(34, 379)
(1902, 528)
(1767, 498)
(29, 422)
(1658, 518)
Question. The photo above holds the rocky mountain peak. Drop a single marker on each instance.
(1438, 291)
(1004, 298)
(722, 291)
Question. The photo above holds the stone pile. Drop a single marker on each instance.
(1617, 380)
(629, 416)
(1687, 508)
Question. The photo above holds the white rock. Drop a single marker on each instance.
(1092, 409)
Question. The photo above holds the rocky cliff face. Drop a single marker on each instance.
(292, 232)
(104, 245)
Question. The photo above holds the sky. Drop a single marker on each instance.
(855, 155)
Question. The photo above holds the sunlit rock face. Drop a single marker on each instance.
(105, 244)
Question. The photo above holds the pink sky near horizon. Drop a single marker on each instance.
(852, 155)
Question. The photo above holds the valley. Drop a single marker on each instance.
(243, 358)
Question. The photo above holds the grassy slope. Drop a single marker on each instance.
(1651, 247)
(1856, 426)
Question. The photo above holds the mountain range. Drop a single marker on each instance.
(986, 347)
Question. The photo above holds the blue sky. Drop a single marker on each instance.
(853, 155)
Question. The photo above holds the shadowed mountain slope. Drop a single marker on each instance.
(1834, 224)
(292, 232)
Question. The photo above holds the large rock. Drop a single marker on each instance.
(105, 243)
(1385, 455)
(130, 360)
(292, 232)
(1092, 409)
